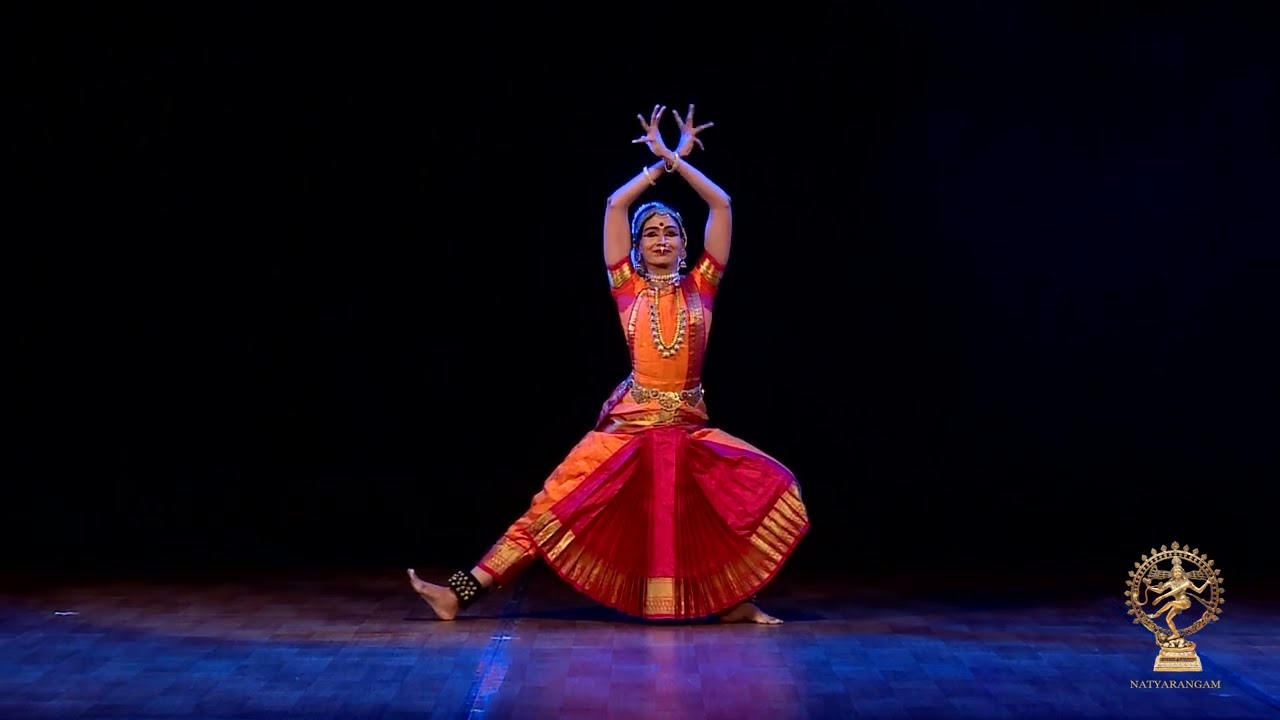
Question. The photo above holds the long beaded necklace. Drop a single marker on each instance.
(655, 324)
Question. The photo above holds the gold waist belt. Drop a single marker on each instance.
(667, 399)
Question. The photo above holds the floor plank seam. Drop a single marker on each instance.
(489, 671)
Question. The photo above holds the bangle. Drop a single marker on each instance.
(647, 176)
(672, 168)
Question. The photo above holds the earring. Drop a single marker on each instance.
(683, 265)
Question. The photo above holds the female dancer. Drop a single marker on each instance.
(653, 512)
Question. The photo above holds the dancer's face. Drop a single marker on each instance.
(661, 243)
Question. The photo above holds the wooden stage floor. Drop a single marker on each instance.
(359, 644)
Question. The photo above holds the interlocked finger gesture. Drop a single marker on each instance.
(689, 132)
(652, 137)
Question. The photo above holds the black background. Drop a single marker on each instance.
(310, 287)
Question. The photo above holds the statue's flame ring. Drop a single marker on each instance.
(1201, 562)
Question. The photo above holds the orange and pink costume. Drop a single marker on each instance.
(653, 513)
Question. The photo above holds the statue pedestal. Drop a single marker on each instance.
(1178, 659)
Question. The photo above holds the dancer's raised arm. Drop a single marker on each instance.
(617, 231)
(719, 233)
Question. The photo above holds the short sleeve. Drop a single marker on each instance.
(706, 275)
(624, 281)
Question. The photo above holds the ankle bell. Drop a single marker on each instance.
(466, 587)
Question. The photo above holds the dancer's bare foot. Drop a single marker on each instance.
(748, 613)
(441, 599)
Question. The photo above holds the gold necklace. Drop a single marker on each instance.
(655, 324)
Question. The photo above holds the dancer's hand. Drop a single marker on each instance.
(652, 137)
(688, 132)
